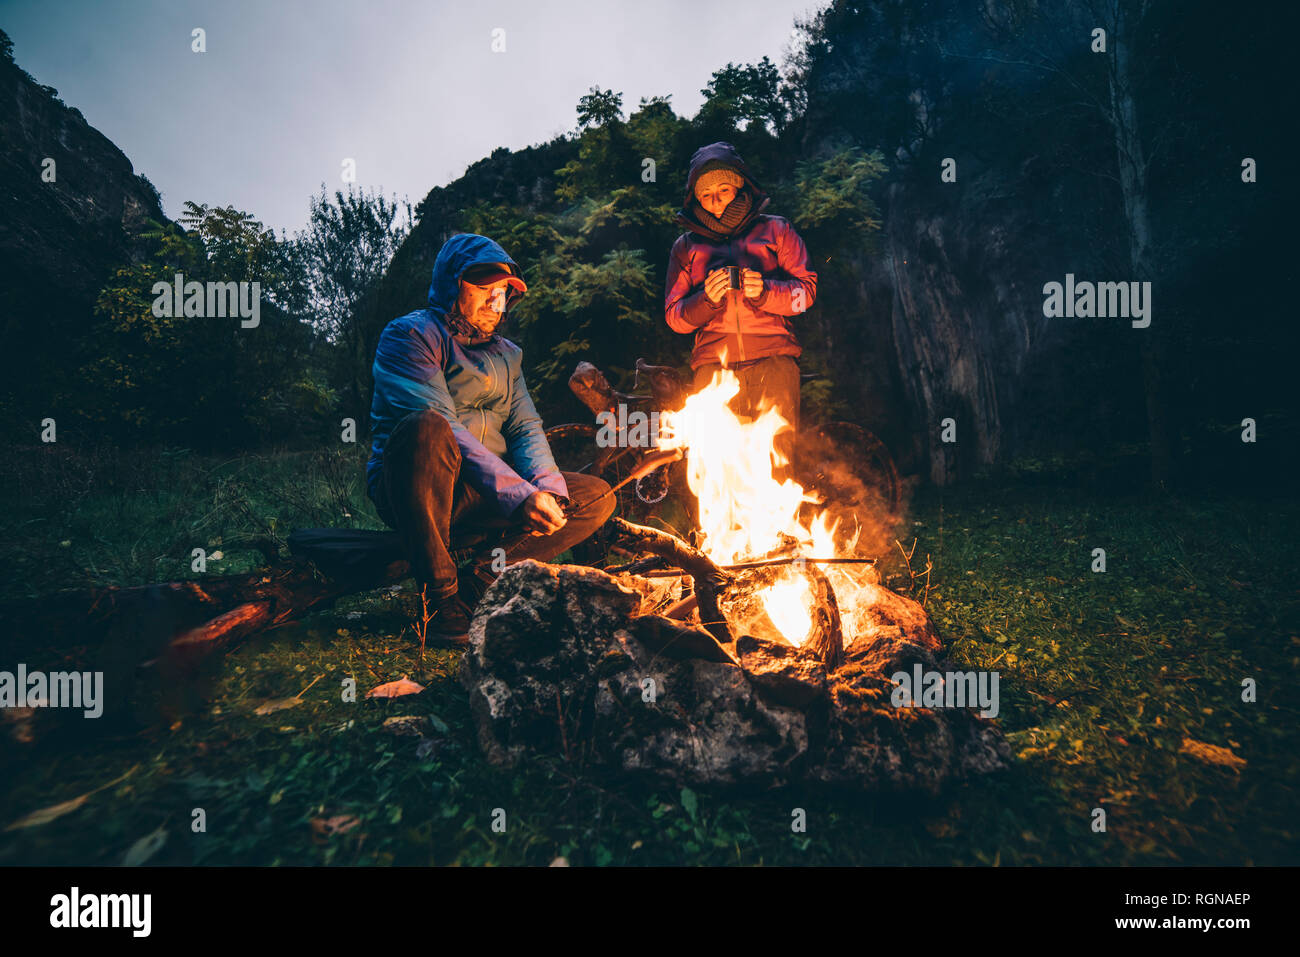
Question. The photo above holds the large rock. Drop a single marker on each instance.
(566, 660)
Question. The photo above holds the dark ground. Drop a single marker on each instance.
(1120, 690)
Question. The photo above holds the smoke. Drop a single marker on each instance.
(862, 495)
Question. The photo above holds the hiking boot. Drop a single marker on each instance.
(450, 621)
(472, 582)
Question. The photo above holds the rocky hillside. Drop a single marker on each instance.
(59, 240)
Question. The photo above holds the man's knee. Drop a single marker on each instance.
(426, 427)
(590, 498)
(426, 431)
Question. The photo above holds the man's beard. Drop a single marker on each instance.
(487, 321)
(477, 328)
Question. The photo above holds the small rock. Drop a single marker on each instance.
(406, 725)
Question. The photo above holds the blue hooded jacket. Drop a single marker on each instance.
(479, 389)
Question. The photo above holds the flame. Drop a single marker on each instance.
(743, 510)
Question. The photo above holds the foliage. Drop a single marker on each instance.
(832, 193)
(201, 381)
(338, 260)
(746, 96)
(599, 108)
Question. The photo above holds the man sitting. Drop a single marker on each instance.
(459, 453)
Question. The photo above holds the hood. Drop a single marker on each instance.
(718, 154)
(458, 254)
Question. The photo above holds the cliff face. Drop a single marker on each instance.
(953, 299)
(60, 240)
(960, 313)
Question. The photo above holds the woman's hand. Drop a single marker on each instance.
(716, 285)
(751, 282)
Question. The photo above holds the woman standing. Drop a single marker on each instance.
(737, 278)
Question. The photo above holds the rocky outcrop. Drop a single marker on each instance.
(59, 240)
(955, 289)
(569, 661)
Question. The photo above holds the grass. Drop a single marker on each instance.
(1104, 677)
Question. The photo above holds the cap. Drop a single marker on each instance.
(485, 274)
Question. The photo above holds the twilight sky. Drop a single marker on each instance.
(412, 91)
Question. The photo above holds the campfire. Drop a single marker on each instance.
(758, 653)
(747, 517)
(768, 561)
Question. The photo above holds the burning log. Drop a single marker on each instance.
(709, 578)
(826, 640)
(825, 637)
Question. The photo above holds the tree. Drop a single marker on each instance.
(747, 97)
(874, 71)
(599, 108)
(204, 380)
(831, 194)
(339, 259)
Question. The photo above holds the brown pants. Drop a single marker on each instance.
(767, 383)
(425, 496)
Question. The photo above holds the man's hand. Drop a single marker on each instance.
(542, 514)
(716, 285)
(751, 283)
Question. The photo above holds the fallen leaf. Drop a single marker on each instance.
(145, 848)
(395, 689)
(47, 814)
(1212, 754)
(272, 705)
(326, 827)
(55, 811)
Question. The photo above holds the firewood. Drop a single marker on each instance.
(827, 637)
(709, 578)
